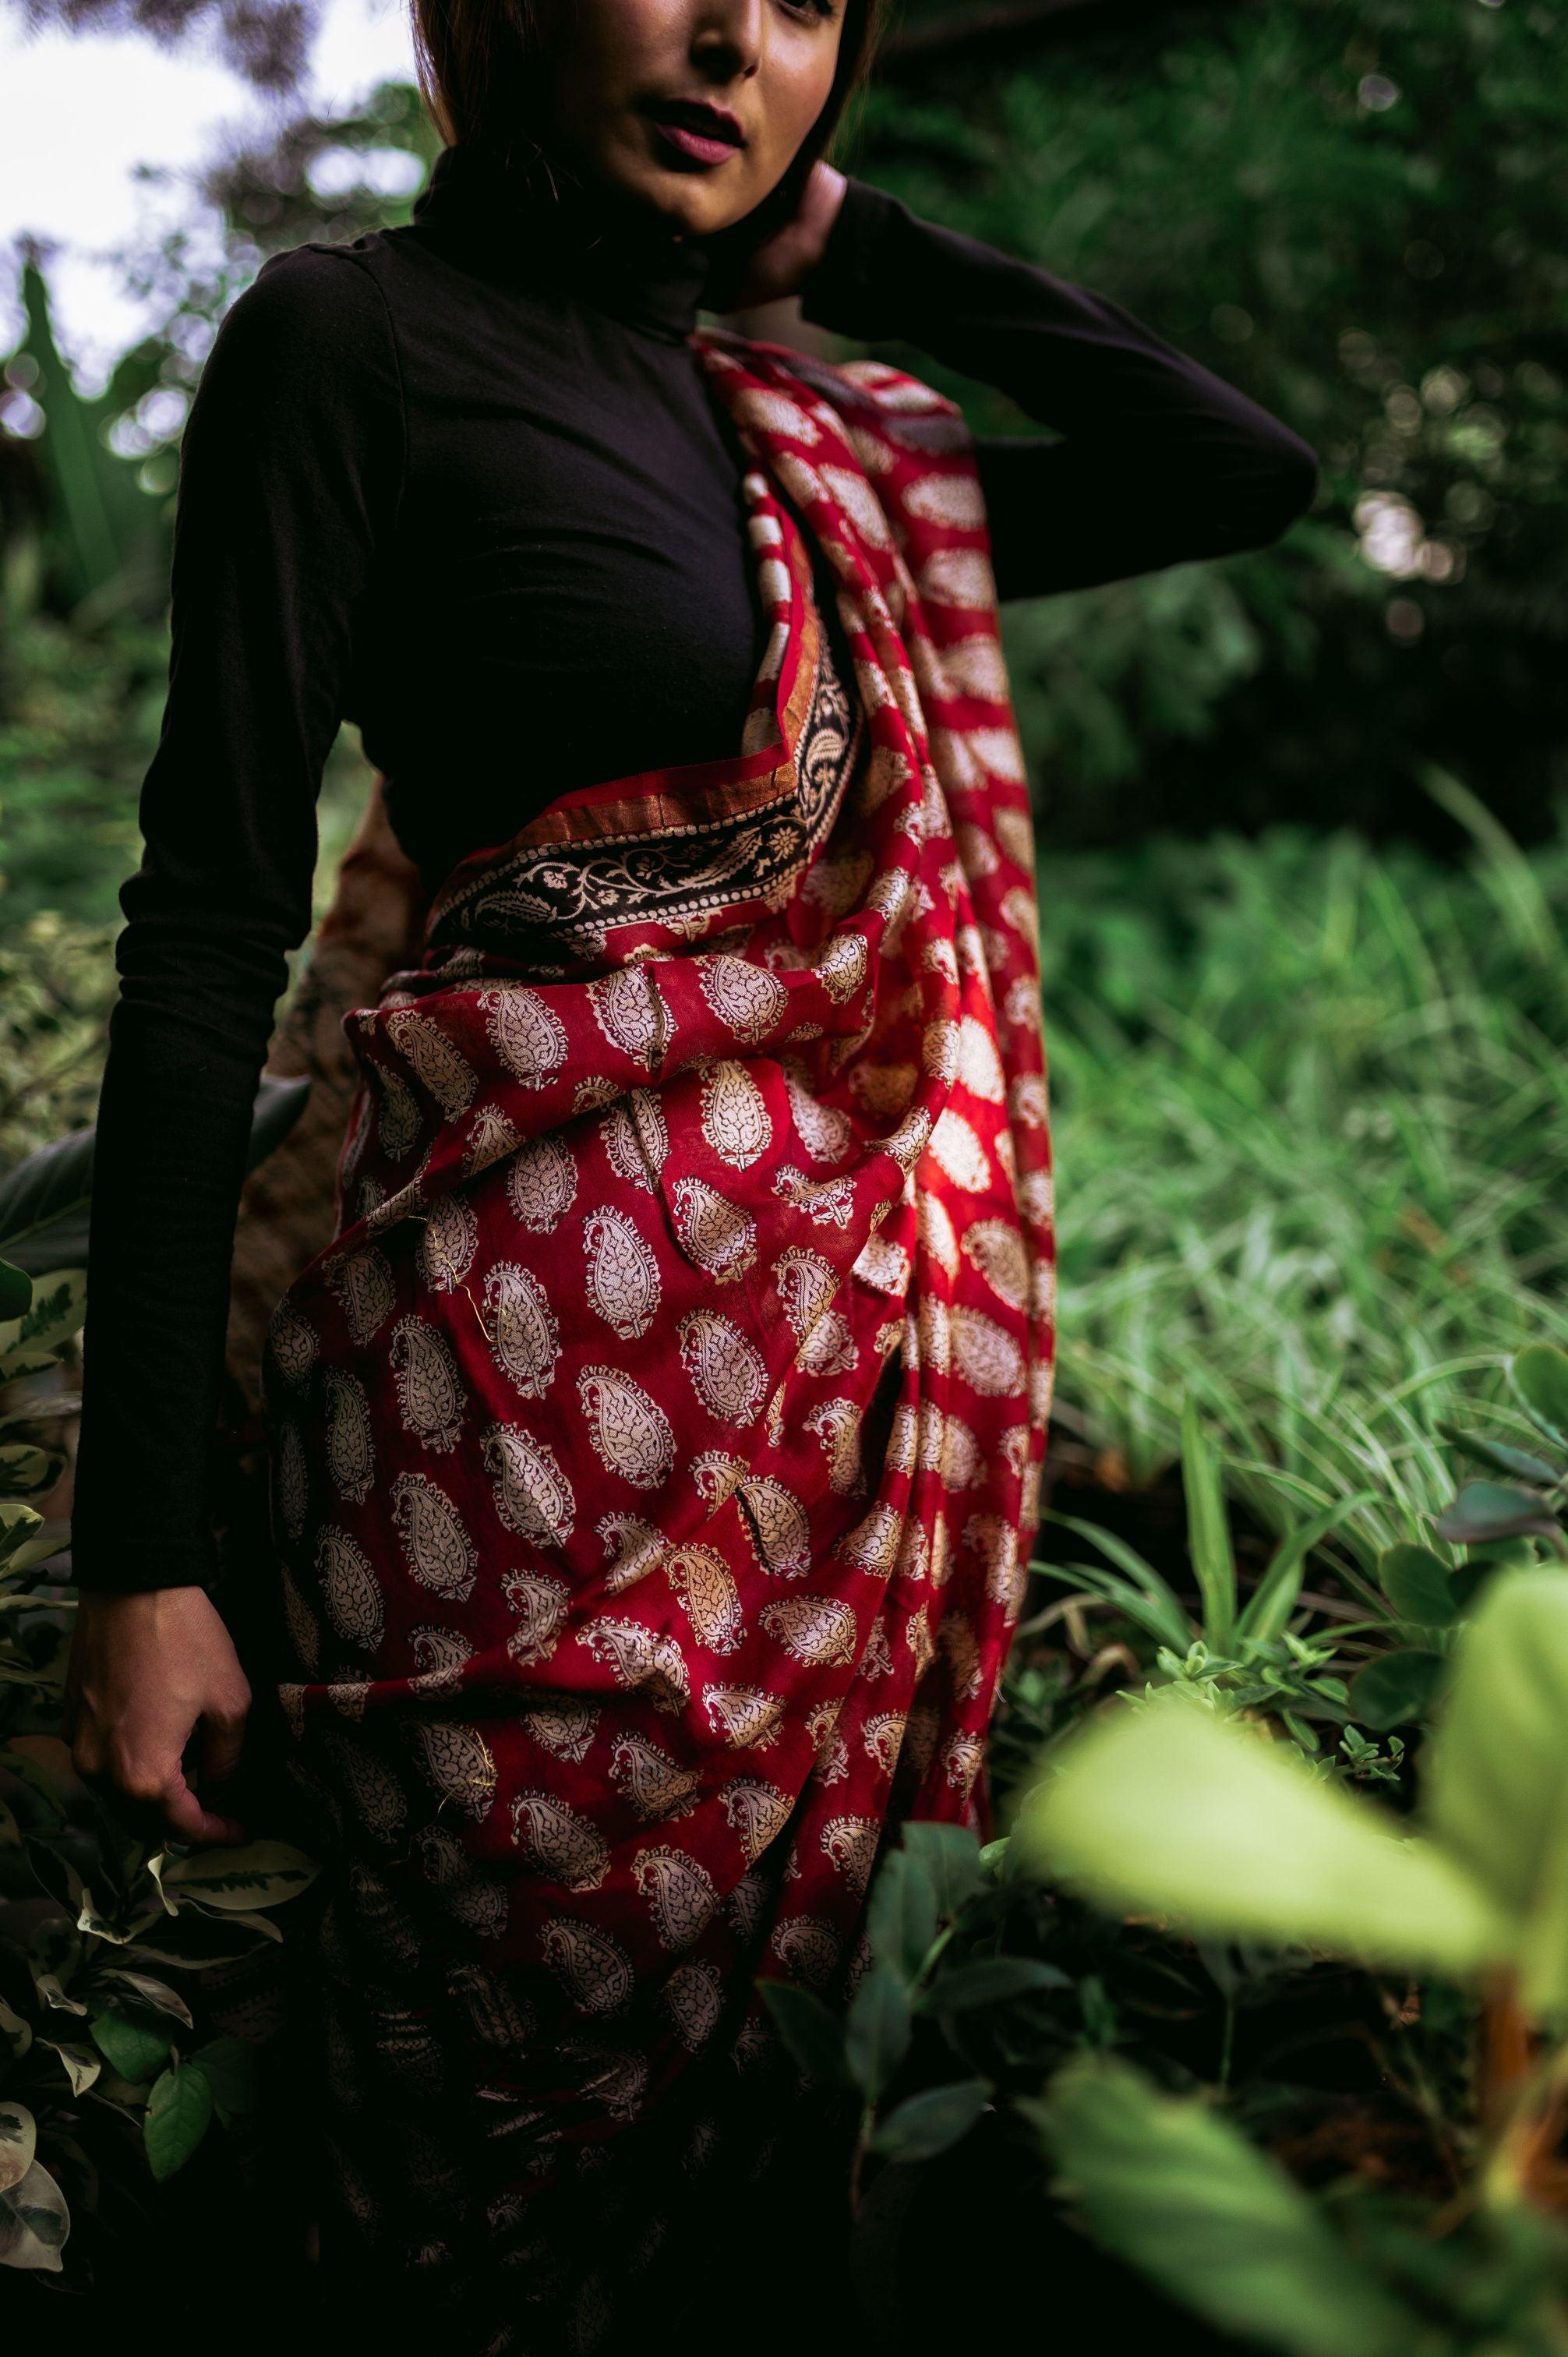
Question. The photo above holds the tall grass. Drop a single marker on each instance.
(1311, 1132)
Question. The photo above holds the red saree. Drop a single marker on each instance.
(656, 1445)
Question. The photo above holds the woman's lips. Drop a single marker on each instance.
(695, 135)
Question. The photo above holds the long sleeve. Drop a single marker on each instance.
(290, 477)
(1158, 461)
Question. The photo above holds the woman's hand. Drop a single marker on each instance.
(146, 1672)
(785, 259)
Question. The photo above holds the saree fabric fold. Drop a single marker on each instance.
(656, 1445)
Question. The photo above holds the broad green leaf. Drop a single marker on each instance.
(17, 1524)
(178, 2112)
(950, 1856)
(55, 1996)
(901, 1918)
(16, 1290)
(1267, 1610)
(1170, 2186)
(79, 2063)
(933, 2123)
(1169, 1810)
(1419, 1585)
(1495, 1773)
(1539, 1377)
(44, 1200)
(232, 2069)
(55, 1313)
(25, 1467)
(1396, 1689)
(155, 1994)
(813, 2034)
(990, 1980)
(262, 1874)
(1517, 1463)
(135, 2044)
(877, 2035)
(1494, 1509)
(34, 2223)
(1208, 1531)
(18, 2141)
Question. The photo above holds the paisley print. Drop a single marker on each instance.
(656, 1441)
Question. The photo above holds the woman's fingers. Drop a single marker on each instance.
(148, 1672)
(187, 1820)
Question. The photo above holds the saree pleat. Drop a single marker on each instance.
(655, 1444)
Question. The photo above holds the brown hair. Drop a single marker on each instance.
(475, 59)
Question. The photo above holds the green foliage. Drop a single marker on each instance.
(1349, 209)
(45, 1200)
(1309, 1096)
(1214, 1829)
(97, 2044)
(1171, 2186)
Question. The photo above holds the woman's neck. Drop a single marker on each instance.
(515, 217)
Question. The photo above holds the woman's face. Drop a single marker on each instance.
(694, 108)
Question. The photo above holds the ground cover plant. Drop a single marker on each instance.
(1294, 2052)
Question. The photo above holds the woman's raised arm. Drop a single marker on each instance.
(1160, 461)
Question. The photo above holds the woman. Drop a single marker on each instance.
(656, 1443)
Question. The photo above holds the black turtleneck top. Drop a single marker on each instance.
(463, 484)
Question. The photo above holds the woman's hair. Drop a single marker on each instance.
(476, 59)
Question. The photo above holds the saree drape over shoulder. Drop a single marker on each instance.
(656, 1445)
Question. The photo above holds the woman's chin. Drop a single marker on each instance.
(690, 204)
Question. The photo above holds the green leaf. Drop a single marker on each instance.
(1494, 1509)
(19, 2142)
(1495, 1771)
(1161, 1608)
(1419, 1585)
(81, 2065)
(877, 2035)
(933, 2123)
(17, 1525)
(178, 2112)
(135, 2044)
(1539, 1378)
(23, 1468)
(262, 1874)
(1166, 1624)
(950, 1856)
(901, 1918)
(154, 1994)
(34, 2223)
(1171, 2187)
(1396, 1689)
(1169, 1810)
(1208, 1531)
(44, 1200)
(990, 1980)
(16, 1290)
(812, 2031)
(57, 1307)
(232, 2069)
(1517, 1463)
(1268, 1609)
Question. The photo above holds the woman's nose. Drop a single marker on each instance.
(726, 41)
